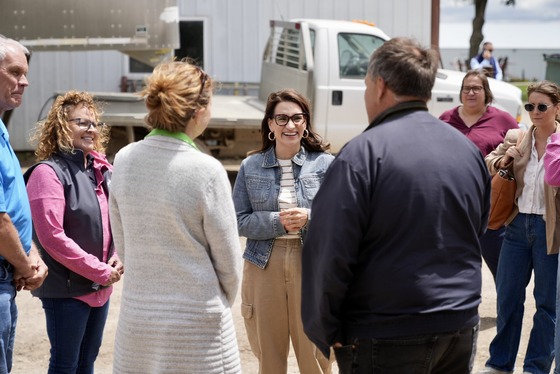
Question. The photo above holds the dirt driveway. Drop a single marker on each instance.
(32, 347)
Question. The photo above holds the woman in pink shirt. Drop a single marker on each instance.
(551, 160)
(552, 155)
(68, 192)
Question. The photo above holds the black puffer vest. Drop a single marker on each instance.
(82, 223)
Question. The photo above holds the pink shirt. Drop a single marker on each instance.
(552, 161)
(46, 197)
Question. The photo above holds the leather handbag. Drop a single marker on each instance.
(502, 197)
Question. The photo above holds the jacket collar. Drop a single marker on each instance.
(77, 156)
(399, 108)
(99, 162)
(270, 160)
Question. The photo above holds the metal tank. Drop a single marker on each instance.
(147, 30)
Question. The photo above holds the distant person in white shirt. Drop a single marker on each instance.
(485, 61)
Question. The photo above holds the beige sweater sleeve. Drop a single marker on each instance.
(494, 158)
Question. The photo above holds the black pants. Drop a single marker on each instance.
(450, 353)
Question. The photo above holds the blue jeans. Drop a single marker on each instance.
(75, 332)
(8, 317)
(524, 251)
(446, 353)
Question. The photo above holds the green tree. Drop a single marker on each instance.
(478, 21)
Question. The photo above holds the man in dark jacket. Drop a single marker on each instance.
(392, 263)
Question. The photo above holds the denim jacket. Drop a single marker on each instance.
(255, 195)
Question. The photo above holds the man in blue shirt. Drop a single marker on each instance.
(486, 61)
(21, 267)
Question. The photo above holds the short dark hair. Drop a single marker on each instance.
(407, 68)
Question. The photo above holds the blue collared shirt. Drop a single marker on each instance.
(13, 195)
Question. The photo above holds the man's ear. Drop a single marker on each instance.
(381, 88)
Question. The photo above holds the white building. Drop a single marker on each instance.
(227, 36)
(522, 43)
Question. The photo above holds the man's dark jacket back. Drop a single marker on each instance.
(393, 249)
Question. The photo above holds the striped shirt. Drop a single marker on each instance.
(287, 196)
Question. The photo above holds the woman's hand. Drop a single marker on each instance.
(116, 263)
(512, 153)
(116, 272)
(114, 277)
(293, 219)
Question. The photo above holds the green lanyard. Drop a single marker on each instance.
(177, 135)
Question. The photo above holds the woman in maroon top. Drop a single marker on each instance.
(486, 127)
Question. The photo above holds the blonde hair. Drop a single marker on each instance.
(54, 133)
(173, 93)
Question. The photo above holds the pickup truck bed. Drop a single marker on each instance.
(237, 117)
(127, 109)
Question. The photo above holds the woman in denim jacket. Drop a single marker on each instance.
(272, 195)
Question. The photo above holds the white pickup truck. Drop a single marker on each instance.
(326, 60)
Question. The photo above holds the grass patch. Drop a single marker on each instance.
(523, 86)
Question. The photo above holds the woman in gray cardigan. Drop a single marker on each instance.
(172, 217)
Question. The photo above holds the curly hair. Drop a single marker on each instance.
(54, 134)
(173, 93)
(313, 142)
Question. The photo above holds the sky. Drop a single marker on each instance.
(528, 24)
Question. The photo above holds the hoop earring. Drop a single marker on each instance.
(271, 138)
(305, 134)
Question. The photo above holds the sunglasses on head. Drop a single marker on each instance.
(541, 107)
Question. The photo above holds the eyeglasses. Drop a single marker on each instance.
(474, 89)
(283, 119)
(541, 107)
(85, 124)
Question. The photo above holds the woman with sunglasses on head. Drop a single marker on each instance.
(173, 221)
(272, 195)
(531, 241)
(486, 127)
(68, 192)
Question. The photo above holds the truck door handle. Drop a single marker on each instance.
(337, 98)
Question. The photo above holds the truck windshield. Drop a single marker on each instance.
(354, 51)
